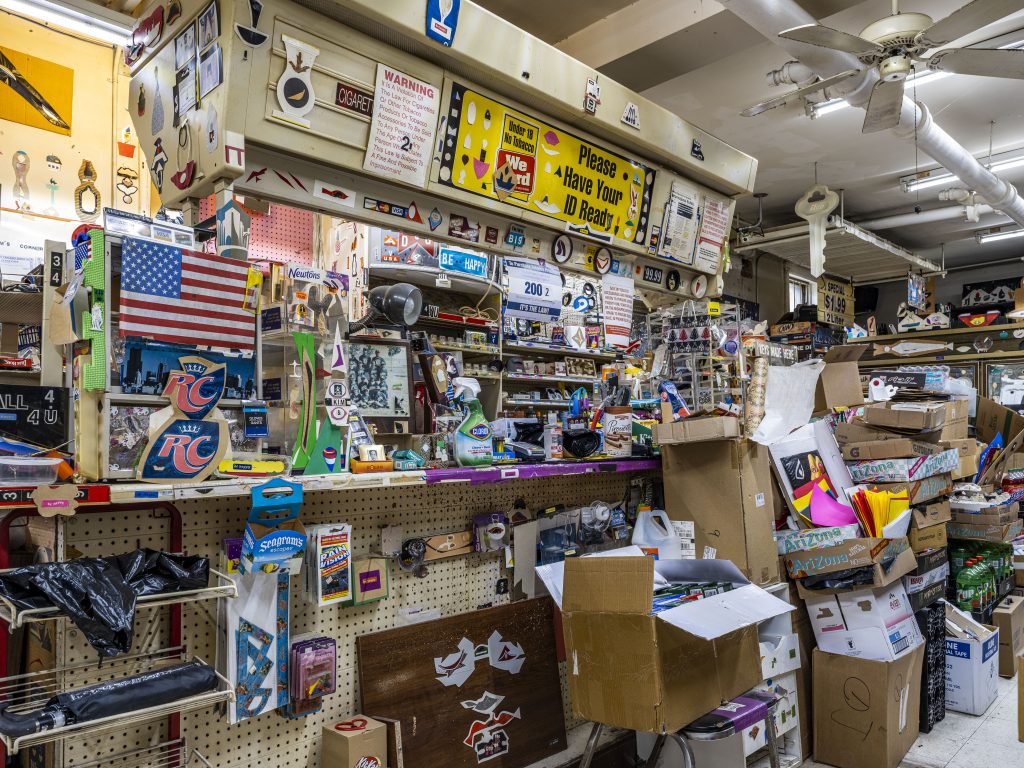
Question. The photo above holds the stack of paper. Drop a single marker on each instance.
(876, 509)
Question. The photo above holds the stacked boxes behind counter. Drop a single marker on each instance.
(932, 623)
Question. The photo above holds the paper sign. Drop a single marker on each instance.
(835, 301)
(402, 130)
(618, 310)
(534, 290)
(680, 230)
(714, 226)
(54, 500)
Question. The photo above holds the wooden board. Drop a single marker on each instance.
(500, 699)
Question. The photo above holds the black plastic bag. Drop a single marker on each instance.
(114, 697)
(99, 593)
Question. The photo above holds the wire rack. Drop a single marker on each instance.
(222, 587)
(30, 692)
(170, 754)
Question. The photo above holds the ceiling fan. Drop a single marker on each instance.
(896, 45)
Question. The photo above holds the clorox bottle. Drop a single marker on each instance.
(473, 445)
(654, 534)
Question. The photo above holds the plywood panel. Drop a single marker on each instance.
(482, 687)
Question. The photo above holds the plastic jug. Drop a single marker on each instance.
(654, 534)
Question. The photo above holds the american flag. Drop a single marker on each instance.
(184, 297)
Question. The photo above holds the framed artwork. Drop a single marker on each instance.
(211, 70)
(209, 26)
(481, 688)
(185, 46)
(379, 379)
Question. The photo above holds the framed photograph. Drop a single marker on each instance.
(209, 25)
(185, 46)
(185, 88)
(211, 69)
(379, 379)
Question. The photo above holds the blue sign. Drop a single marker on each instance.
(464, 262)
(442, 19)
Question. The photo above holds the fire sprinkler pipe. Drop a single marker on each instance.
(770, 17)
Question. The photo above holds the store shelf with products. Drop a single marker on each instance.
(540, 347)
(35, 690)
(222, 586)
(528, 377)
(502, 473)
(541, 403)
(478, 349)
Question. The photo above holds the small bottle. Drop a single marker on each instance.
(552, 438)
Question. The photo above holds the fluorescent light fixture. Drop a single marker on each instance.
(827, 107)
(992, 237)
(97, 22)
(943, 177)
(918, 78)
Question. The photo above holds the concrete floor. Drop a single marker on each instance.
(964, 741)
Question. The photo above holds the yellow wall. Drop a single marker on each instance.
(100, 83)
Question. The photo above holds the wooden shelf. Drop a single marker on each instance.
(938, 333)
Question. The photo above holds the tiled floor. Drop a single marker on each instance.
(963, 741)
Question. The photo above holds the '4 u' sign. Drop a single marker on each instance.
(188, 446)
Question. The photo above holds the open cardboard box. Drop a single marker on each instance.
(640, 671)
(900, 448)
(911, 417)
(839, 382)
(852, 553)
(696, 429)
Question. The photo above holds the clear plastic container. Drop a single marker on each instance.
(28, 470)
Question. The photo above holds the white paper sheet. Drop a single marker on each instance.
(788, 399)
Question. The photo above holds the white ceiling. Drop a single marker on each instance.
(709, 70)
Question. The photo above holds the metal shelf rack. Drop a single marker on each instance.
(33, 690)
(223, 587)
(170, 754)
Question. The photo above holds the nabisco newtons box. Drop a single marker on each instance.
(632, 668)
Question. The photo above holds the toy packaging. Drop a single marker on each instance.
(328, 578)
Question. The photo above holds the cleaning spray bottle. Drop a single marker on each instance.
(473, 446)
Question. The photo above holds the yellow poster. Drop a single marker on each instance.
(500, 153)
(35, 91)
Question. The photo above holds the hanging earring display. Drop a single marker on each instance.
(21, 163)
(87, 196)
(156, 123)
(295, 86)
(182, 178)
(158, 164)
(126, 178)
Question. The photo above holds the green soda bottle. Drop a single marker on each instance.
(967, 598)
(958, 557)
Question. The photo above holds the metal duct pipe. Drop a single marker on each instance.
(925, 217)
(769, 17)
(791, 73)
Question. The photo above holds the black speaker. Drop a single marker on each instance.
(865, 298)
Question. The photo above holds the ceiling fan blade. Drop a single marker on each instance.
(967, 19)
(884, 106)
(980, 61)
(786, 98)
(826, 37)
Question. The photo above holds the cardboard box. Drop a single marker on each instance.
(606, 602)
(865, 712)
(369, 579)
(993, 419)
(932, 537)
(852, 553)
(861, 432)
(1008, 618)
(396, 758)
(927, 596)
(724, 488)
(969, 451)
(956, 426)
(904, 470)
(1003, 514)
(932, 567)
(920, 491)
(697, 429)
(1020, 699)
(900, 448)
(357, 742)
(982, 532)
(875, 624)
(928, 515)
(779, 654)
(839, 383)
(1018, 570)
(900, 567)
(908, 417)
(971, 663)
(787, 541)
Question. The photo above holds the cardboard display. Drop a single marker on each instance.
(724, 489)
(865, 712)
(606, 603)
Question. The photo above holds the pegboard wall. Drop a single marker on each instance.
(284, 235)
(453, 586)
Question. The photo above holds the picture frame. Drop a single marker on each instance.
(211, 70)
(209, 26)
(185, 46)
(380, 381)
(580, 366)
